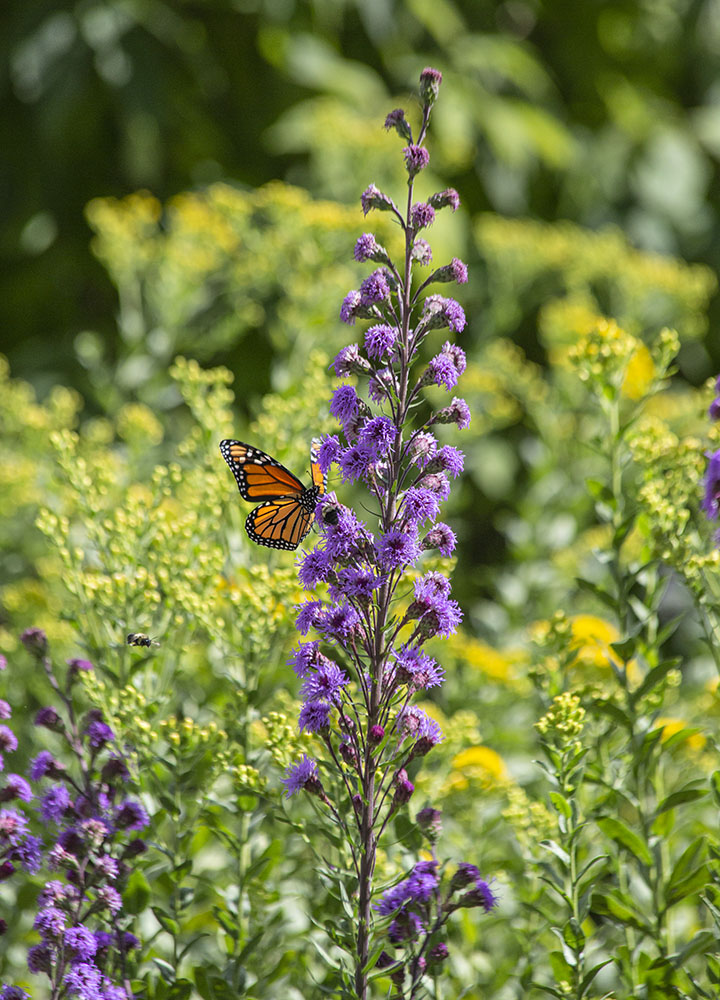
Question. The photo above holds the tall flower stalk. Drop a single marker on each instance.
(360, 675)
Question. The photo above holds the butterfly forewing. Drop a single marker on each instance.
(258, 476)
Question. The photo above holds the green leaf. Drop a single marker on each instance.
(137, 894)
(561, 804)
(616, 830)
(678, 798)
(561, 970)
(619, 907)
(168, 923)
(557, 850)
(715, 783)
(573, 935)
(587, 979)
(703, 942)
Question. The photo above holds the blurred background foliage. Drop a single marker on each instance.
(599, 113)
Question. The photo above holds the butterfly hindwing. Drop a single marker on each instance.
(279, 524)
(258, 475)
(285, 513)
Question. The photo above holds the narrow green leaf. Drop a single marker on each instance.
(587, 979)
(683, 795)
(715, 784)
(616, 830)
(653, 678)
(561, 803)
(703, 942)
(561, 970)
(555, 848)
(573, 935)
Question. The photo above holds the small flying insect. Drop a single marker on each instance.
(140, 639)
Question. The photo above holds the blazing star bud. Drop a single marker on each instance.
(454, 271)
(416, 159)
(367, 248)
(79, 666)
(396, 119)
(384, 961)
(714, 411)
(376, 735)
(7, 868)
(422, 215)
(403, 788)
(49, 718)
(444, 198)
(430, 822)
(421, 252)
(430, 80)
(457, 413)
(439, 953)
(35, 641)
(372, 197)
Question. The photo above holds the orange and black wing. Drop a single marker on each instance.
(319, 479)
(279, 524)
(259, 476)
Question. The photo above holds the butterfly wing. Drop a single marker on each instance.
(259, 476)
(319, 479)
(280, 523)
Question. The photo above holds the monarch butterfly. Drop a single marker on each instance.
(284, 519)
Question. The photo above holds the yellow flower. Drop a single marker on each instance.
(639, 374)
(591, 638)
(670, 726)
(480, 764)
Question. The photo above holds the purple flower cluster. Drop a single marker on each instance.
(418, 907)
(711, 500)
(364, 659)
(87, 823)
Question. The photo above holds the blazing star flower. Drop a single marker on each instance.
(80, 666)
(374, 289)
(419, 505)
(380, 386)
(416, 159)
(396, 548)
(5, 710)
(378, 436)
(417, 668)
(454, 271)
(339, 622)
(55, 803)
(8, 740)
(422, 215)
(356, 583)
(349, 308)
(299, 776)
(43, 764)
(80, 943)
(430, 80)
(356, 462)
(308, 613)
(314, 716)
(413, 722)
(439, 312)
(372, 197)
(84, 981)
(99, 733)
(50, 923)
(711, 501)
(344, 403)
(304, 658)
(315, 566)
(348, 361)
(8, 992)
(440, 537)
(325, 684)
(131, 816)
(16, 788)
(379, 340)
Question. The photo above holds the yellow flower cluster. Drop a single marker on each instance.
(563, 722)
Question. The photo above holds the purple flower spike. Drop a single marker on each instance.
(344, 403)
(711, 501)
(314, 716)
(379, 341)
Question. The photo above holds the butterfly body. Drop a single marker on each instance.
(286, 507)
